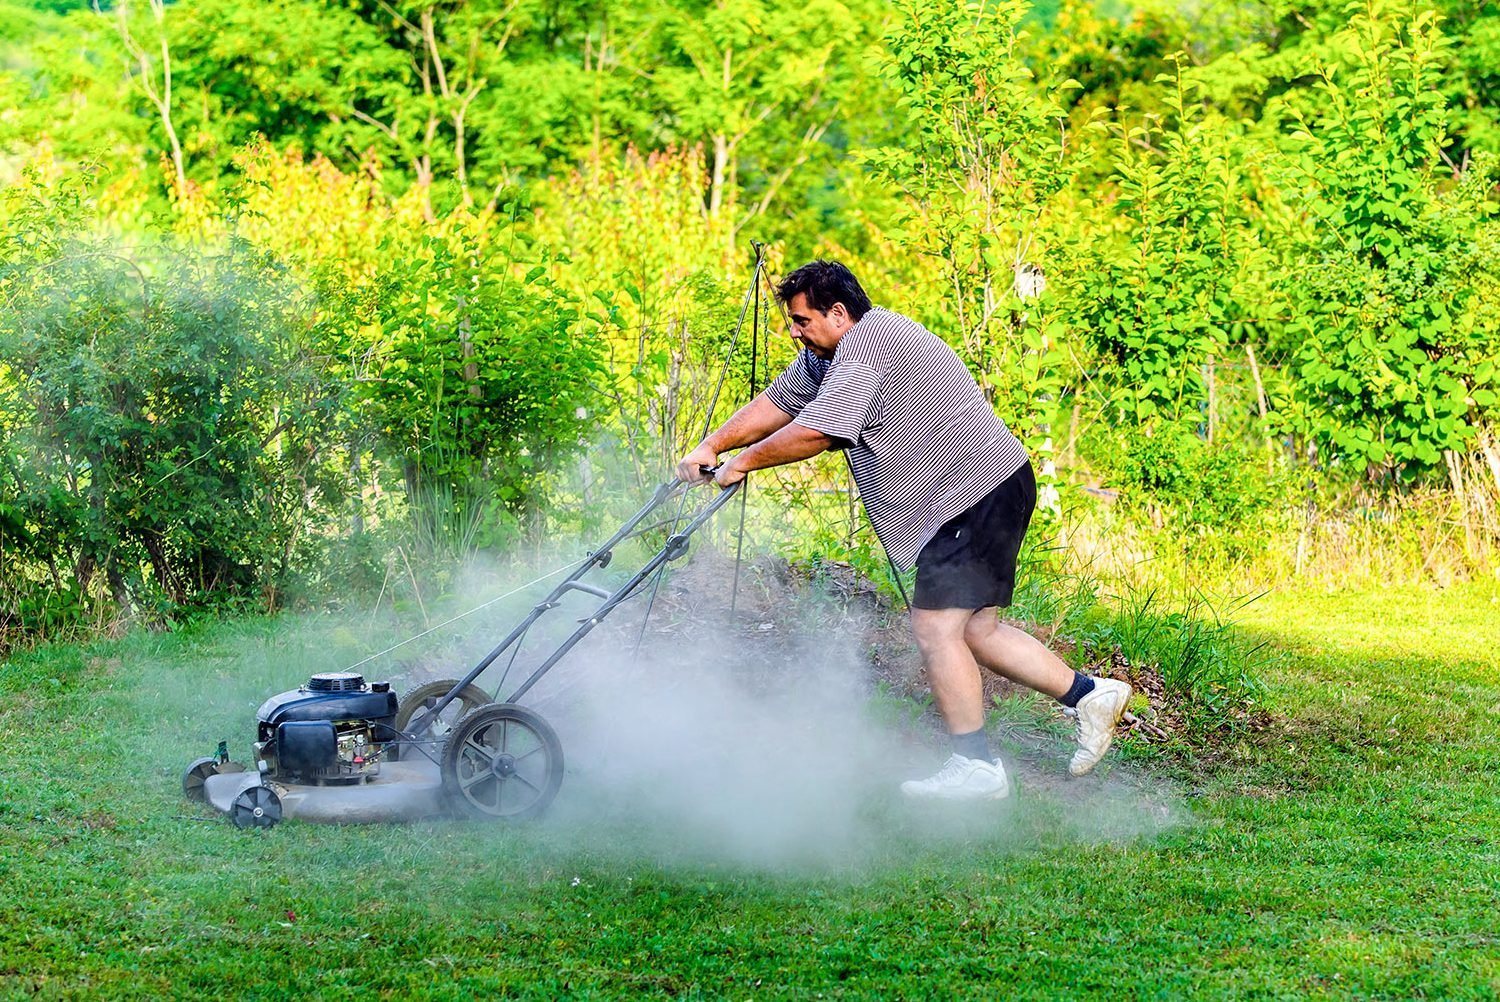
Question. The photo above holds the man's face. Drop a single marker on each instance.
(817, 331)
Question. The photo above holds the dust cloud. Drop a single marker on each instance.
(734, 748)
(707, 756)
(762, 743)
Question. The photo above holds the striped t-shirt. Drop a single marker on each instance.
(923, 442)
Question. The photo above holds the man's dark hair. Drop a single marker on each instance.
(825, 283)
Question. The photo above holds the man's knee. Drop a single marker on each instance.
(935, 629)
(981, 626)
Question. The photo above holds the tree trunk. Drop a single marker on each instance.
(1260, 403)
(160, 99)
(1212, 401)
(423, 165)
(118, 588)
(357, 521)
(720, 171)
(466, 348)
(83, 571)
(1491, 457)
(162, 566)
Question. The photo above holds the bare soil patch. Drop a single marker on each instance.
(766, 618)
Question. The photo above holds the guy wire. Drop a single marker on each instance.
(708, 417)
(482, 605)
(739, 543)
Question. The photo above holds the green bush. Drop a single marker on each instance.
(1182, 482)
(153, 418)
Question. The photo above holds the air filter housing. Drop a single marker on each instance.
(336, 681)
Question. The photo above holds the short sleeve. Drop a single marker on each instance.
(795, 388)
(847, 402)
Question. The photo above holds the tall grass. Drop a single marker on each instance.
(1345, 539)
(1182, 645)
(1194, 645)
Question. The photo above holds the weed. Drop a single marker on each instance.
(1189, 646)
(1200, 655)
(1025, 721)
(890, 709)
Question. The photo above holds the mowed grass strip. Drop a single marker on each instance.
(1350, 851)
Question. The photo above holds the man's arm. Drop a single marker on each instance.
(788, 445)
(756, 421)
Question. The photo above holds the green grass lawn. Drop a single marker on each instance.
(1351, 850)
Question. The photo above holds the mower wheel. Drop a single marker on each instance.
(195, 775)
(425, 696)
(502, 761)
(255, 807)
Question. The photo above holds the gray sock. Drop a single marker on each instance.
(975, 745)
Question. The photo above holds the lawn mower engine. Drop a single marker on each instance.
(330, 731)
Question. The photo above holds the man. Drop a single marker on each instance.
(947, 487)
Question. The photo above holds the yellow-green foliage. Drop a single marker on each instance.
(1239, 275)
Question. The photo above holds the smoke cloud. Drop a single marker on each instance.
(763, 744)
(739, 747)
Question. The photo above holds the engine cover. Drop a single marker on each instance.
(329, 730)
(375, 704)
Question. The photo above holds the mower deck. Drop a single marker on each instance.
(404, 791)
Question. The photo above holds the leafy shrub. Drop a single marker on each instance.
(1182, 482)
(155, 406)
(1386, 376)
(475, 376)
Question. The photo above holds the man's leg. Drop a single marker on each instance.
(1020, 657)
(1016, 654)
(951, 669)
(971, 773)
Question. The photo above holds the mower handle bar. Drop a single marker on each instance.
(673, 548)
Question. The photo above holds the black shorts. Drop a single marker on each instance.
(971, 562)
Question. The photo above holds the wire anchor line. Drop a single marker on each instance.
(751, 292)
(463, 615)
(739, 542)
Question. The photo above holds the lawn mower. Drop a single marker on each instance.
(340, 748)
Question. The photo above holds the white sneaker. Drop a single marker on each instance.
(962, 779)
(1098, 712)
